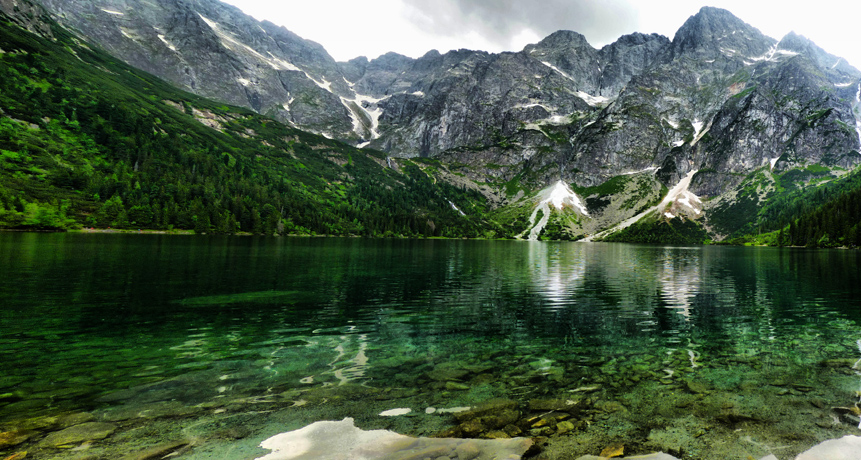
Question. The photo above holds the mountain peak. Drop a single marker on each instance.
(567, 39)
(717, 31)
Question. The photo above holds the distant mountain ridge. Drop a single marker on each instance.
(721, 107)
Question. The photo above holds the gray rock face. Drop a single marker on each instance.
(720, 98)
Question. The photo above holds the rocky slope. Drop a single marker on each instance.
(714, 104)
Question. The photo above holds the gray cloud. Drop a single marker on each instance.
(601, 21)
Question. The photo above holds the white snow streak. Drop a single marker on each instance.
(286, 105)
(769, 56)
(167, 43)
(557, 69)
(115, 13)
(844, 85)
(651, 168)
(699, 132)
(534, 104)
(244, 82)
(559, 195)
(594, 101)
(773, 162)
(680, 194)
(368, 106)
(455, 208)
(229, 41)
(857, 112)
(280, 64)
(562, 195)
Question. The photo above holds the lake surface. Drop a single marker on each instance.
(221, 342)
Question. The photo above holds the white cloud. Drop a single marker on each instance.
(347, 28)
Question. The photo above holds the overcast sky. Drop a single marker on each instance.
(351, 28)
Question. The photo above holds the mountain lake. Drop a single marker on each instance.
(198, 347)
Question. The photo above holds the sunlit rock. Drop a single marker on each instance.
(342, 440)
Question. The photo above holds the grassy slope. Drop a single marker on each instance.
(87, 140)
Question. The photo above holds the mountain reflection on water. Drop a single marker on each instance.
(658, 347)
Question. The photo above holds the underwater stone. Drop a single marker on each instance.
(560, 405)
(845, 448)
(564, 427)
(84, 432)
(157, 452)
(395, 412)
(342, 439)
(655, 456)
(456, 386)
(12, 438)
(486, 408)
(445, 372)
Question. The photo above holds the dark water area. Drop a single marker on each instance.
(705, 352)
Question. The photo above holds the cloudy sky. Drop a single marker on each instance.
(350, 28)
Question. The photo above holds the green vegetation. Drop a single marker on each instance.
(661, 231)
(86, 140)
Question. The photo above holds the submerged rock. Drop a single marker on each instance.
(342, 439)
(845, 448)
(12, 438)
(79, 433)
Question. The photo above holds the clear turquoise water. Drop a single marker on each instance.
(693, 343)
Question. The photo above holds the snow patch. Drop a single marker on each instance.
(773, 53)
(231, 42)
(363, 108)
(651, 168)
(280, 64)
(167, 43)
(534, 104)
(681, 195)
(418, 93)
(245, 82)
(561, 195)
(455, 208)
(558, 195)
(844, 85)
(856, 110)
(115, 13)
(286, 105)
(558, 70)
(363, 145)
(325, 84)
(773, 162)
(698, 126)
(678, 143)
(836, 63)
(594, 101)
(699, 132)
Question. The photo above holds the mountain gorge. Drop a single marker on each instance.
(703, 130)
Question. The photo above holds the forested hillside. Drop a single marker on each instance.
(86, 140)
